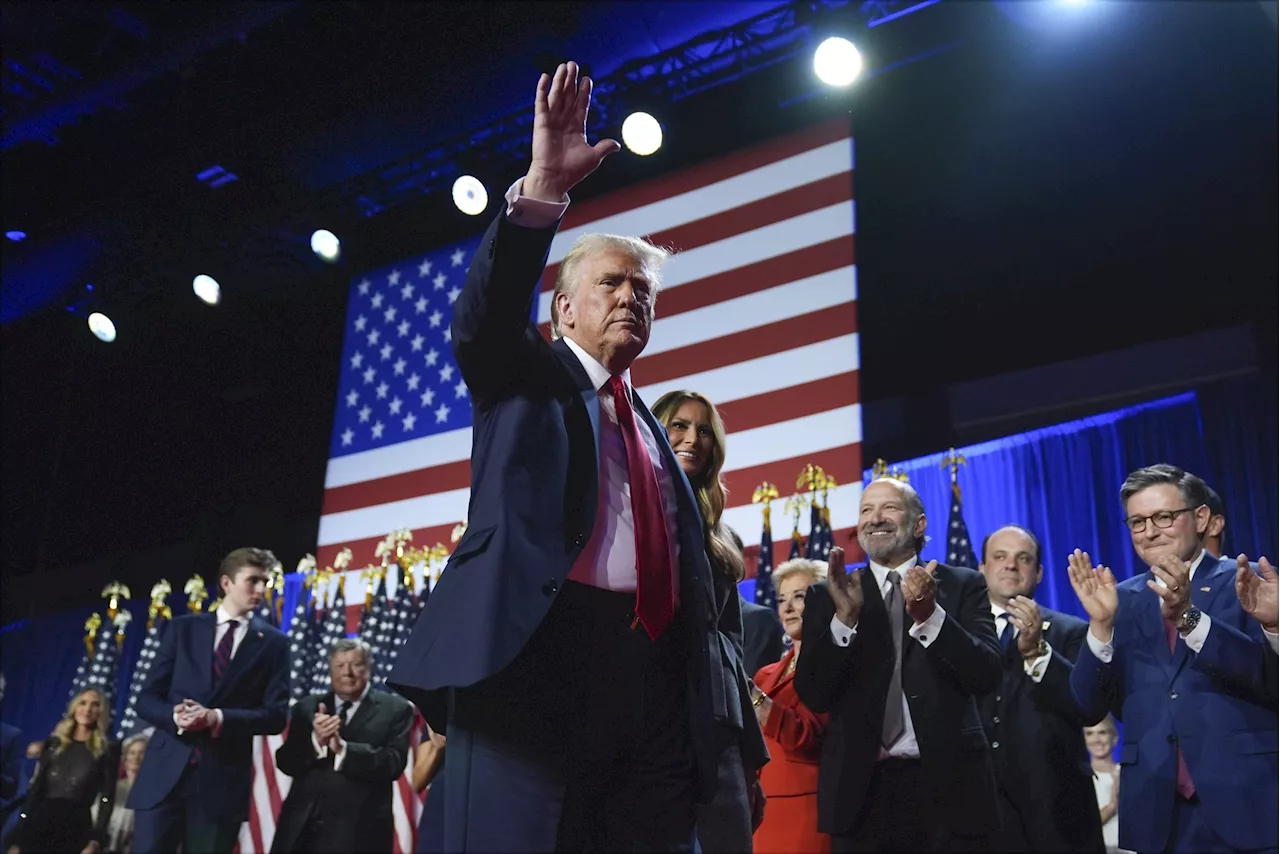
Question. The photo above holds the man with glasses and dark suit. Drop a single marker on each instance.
(1172, 653)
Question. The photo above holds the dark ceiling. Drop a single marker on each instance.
(1031, 187)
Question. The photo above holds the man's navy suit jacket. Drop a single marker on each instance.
(1219, 705)
(534, 489)
(253, 695)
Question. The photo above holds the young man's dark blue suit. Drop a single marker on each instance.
(201, 798)
(504, 629)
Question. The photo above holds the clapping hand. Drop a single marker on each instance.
(919, 591)
(1096, 589)
(1175, 593)
(325, 726)
(561, 155)
(1257, 593)
(1025, 615)
(845, 588)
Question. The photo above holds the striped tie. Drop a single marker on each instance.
(222, 655)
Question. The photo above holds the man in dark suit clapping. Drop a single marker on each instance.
(1047, 801)
(898, 653)
(344, 751)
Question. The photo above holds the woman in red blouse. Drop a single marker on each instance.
(793, 733)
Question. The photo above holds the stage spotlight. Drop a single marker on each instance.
(102, 327)
(642, 134)
(16, 236)
(326, 245)
(470, 195)
(207, 288)
(837, 62)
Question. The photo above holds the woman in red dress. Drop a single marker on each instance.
(793, 733)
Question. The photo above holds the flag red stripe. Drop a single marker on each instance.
(255, 829)
(846, 538)
(696, 176)
(778, 337)
(756, 214)
(842, 463)
(741, 281)
(796, 401)
(410, 484)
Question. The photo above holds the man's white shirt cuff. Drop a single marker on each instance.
(1274, 640)
(842, 635)
(532, 213)
(1035, 667)
(926, 632)
(1104, 652)
(1195, 637)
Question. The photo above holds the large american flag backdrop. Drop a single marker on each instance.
(757, 312)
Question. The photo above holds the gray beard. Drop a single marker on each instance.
(881, 551)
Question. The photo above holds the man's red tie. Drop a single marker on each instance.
(655, 598)
(222, 654)
(1186, 787)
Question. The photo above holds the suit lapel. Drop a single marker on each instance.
(586, 390)
(1210, 574)
(248, 650)
(368, 707)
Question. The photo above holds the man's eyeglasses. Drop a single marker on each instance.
(1162, 519)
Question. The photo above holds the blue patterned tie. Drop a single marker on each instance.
(1006, 636)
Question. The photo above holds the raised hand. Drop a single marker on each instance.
(561, 154)
(845, 588)
(1096, 589)
(1257, 593)
(919, 591)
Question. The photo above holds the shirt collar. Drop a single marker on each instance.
(1195, 564)
(882, 572)
(224, 616)
(597, 372)
(358, 700)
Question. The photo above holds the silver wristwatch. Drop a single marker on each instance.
(1190, 619)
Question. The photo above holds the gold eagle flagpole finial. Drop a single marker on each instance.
(113, 593)
(91, 627)
(764, 495)
(952, 460)
(196, 593)
(159, 592)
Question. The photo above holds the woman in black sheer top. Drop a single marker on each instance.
(77, 767)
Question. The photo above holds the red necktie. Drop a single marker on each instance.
(655, 598)
(1185, 786)
(222, 653)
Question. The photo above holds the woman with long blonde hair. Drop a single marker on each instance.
(697, 436)
(77, 768)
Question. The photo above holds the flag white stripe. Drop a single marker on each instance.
(810, 434)
(746, 248)
(825, 290)
(792, 438)
(748, 378)
(743, 188)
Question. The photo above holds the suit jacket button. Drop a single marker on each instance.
(1171, 738)
(580, 540)
(996, 719)
(995, 744)
(550, 588)
(712, 625)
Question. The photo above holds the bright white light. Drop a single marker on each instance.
(207, 288)
(102, 327)
(326, 245)
(1075, 2)
(837, 62)
(642, 134)
(470, 195)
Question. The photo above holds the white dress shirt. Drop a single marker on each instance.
(1194, 638)
(609, 558)
(1034, 668)
(224, 618)
(906, 746)
(341, 753)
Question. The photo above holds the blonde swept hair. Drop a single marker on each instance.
(816, 570)
(651, 259)
(66, 728)
(708, 487)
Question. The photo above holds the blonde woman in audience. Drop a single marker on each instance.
(1101, 742)
(119, 837)
(793, 733)
(78, 767)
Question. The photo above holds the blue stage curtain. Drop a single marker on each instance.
(1239, 422)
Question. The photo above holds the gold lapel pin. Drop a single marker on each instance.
(1204, 589)
(1044, 626)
